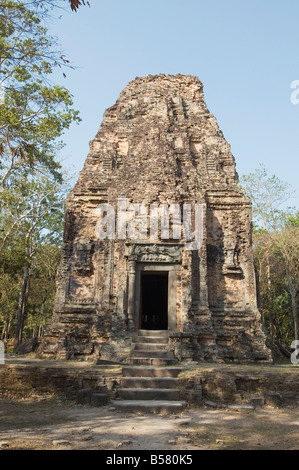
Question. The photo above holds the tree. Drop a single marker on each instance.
(40, 301)
(275, 251)
(9, 289)
(267, 194)
(37, 209)
(274, 296)
(33, 113)
(287, 245)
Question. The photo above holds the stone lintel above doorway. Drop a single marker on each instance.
(154, 252)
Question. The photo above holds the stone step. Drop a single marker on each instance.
(151, 361)
(149, 394)
(159, 333)
(149, 382)
(148, 406)
(131, 371)
(161, 354)
(149, 346)
(152, 339)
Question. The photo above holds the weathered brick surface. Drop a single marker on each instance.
(158, 144)
(26, 379)
(223, 384)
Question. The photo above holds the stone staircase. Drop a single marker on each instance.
(151, 348)
(150, 383)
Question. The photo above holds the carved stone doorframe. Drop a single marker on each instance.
(152, 257)
(172, 291)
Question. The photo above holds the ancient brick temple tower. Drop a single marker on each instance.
(158, 146)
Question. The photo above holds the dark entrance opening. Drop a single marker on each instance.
(154, 301)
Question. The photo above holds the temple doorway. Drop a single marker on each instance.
(154, 301)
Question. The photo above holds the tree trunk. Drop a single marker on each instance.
(23, 296)
(5, 331)
(295, 312)
(270, 298)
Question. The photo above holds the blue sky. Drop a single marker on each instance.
(246, 53)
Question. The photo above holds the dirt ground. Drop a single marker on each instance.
(51, 423)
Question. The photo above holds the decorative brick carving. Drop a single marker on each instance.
(155, 252)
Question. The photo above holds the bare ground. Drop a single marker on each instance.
(37, 423)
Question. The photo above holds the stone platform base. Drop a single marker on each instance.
(203, 384)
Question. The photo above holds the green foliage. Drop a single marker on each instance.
(33, 113)
(293, 220)
(274, 296)
(30, 238)
(268, 194)
(276, 253)
(39, 307)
